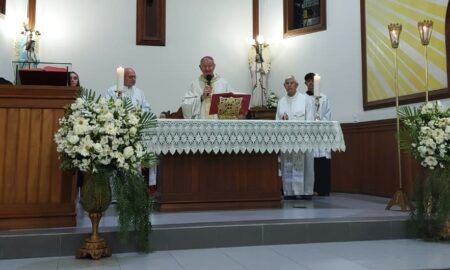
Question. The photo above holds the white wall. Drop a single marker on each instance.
(335, 54)
(10, 25)
(97, 36)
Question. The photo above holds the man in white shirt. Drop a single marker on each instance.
(130, 90)
(297, 169)
(197, 100)
(322, 158)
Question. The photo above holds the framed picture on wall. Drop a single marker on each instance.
(303, 17)
(2, 6)
(151, 22)
(378, 56)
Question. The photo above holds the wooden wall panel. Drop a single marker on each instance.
(34, 192)
(57, 183)
(3, 117)
(34, 160)
(12, 131)
(218, 181)
(22, 155)
(370, 164)
(46, 162)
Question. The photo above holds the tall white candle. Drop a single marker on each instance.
(316, 85)
(120, 73)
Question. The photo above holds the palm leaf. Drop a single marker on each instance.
(87, 94)
(128, 104)
(148, 120)
(407, 112)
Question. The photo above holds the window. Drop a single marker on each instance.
(303, 16)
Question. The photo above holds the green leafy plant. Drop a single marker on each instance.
(425, 133)
(432, 205)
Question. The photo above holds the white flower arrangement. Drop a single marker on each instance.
(272, 100)
(100, 133)
(104, 137)
(426, 133)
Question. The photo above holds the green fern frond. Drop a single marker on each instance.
(134, 206)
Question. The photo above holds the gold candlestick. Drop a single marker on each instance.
(425, 30)
(399, 198)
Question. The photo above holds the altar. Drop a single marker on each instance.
(230, 164)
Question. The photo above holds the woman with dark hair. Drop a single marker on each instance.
(74, 79)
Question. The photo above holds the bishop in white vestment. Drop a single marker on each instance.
(297, 169)
(197, 100)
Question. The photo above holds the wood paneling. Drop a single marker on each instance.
(370, 165)
(218, 181)
(34, 192)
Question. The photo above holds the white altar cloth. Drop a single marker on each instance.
(243, 136)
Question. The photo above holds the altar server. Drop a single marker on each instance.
(322, 158)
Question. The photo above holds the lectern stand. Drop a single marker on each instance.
(34, 192)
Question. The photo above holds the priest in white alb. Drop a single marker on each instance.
(297, 169)
(126, 88)
(197, 100)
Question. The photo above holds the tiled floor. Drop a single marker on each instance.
(380, 254)
(385, 254)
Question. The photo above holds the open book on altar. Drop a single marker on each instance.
(215, 101)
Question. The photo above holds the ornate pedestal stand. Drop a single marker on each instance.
(94, 247)
(95, 199)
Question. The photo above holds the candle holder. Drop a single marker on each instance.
(119, 93)
(399, 198)
(317, 107)
(425, 30)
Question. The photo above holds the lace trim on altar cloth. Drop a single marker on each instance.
(243, 136)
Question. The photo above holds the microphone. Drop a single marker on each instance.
(208, 79)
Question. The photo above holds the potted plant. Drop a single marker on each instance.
(426, 134)
(103, 138)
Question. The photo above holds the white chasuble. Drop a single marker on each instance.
(192, 105)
